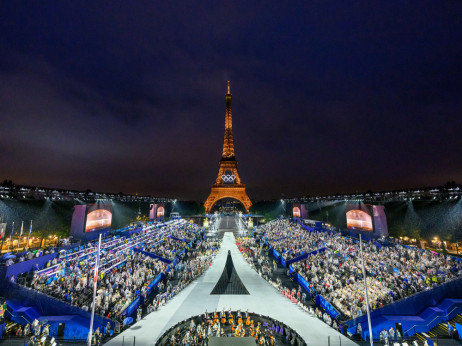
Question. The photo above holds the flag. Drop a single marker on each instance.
(30, 230)
(2, 230)
(97, 261)
(22, 228)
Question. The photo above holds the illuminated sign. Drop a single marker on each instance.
(228, 178)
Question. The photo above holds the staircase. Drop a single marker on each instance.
(11, 327)
(440, 331)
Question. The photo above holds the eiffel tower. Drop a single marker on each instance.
(228, 183)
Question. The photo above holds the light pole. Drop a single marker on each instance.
(95, 284)
(371, 338)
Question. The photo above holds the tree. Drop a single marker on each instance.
(414, 233)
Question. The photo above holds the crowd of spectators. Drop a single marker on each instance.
(255, 255)
(123, 272)
(174, 241)
(183, 274)
(289, 239)
(393, 272)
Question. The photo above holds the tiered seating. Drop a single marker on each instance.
(123, 273)
(394, 272)
(289, 239)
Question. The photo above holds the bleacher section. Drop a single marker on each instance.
(418, 313)
(26, 304)
(424, 313)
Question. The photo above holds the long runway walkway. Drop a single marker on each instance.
(263, 299)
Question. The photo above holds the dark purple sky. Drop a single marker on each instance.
(328, 96)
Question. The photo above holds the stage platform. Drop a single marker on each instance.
(263, 299)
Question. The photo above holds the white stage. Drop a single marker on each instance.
(263, 299)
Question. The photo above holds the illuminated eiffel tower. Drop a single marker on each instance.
(228, 183)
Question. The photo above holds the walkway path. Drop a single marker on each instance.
(263, 299)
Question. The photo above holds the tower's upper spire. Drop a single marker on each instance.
(228, 145)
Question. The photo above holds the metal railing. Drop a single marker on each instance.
(431, 322)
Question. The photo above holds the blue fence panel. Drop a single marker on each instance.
(46, 306)
(417, 303)
(459, 330)
(155, 282)
(319, 300)
(149, 254)
(133, 306)
(306, 255)
(26, 266)
(417, 311)
(291, 269)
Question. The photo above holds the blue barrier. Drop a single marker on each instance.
(319, 300)
(459, 330)
(291, 269)
(26, 266)
(140, 299)
(154, 283)
(42, 305)
(150, 254)
(177, 239)
(128, 233)
(306, 255)
(415, 304)
(303, 283)
(413, 310)
(421, 323)
(133, 306)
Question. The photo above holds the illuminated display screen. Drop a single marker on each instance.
(98, 217)
(296, 212)
(358, 219)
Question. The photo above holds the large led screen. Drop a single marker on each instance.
(299, 211)
(359, 218)
(99, 216)
(296, 212)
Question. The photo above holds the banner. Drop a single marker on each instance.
(319, 300)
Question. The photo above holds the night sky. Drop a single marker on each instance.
(328, 96)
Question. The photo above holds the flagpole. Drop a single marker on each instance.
(3, 233)
(28, 236)
(367, 296)
(20, 234)
(95, 284)
(11, 234)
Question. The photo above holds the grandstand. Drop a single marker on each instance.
(150, 281)
(417, 290)
(54, 289)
